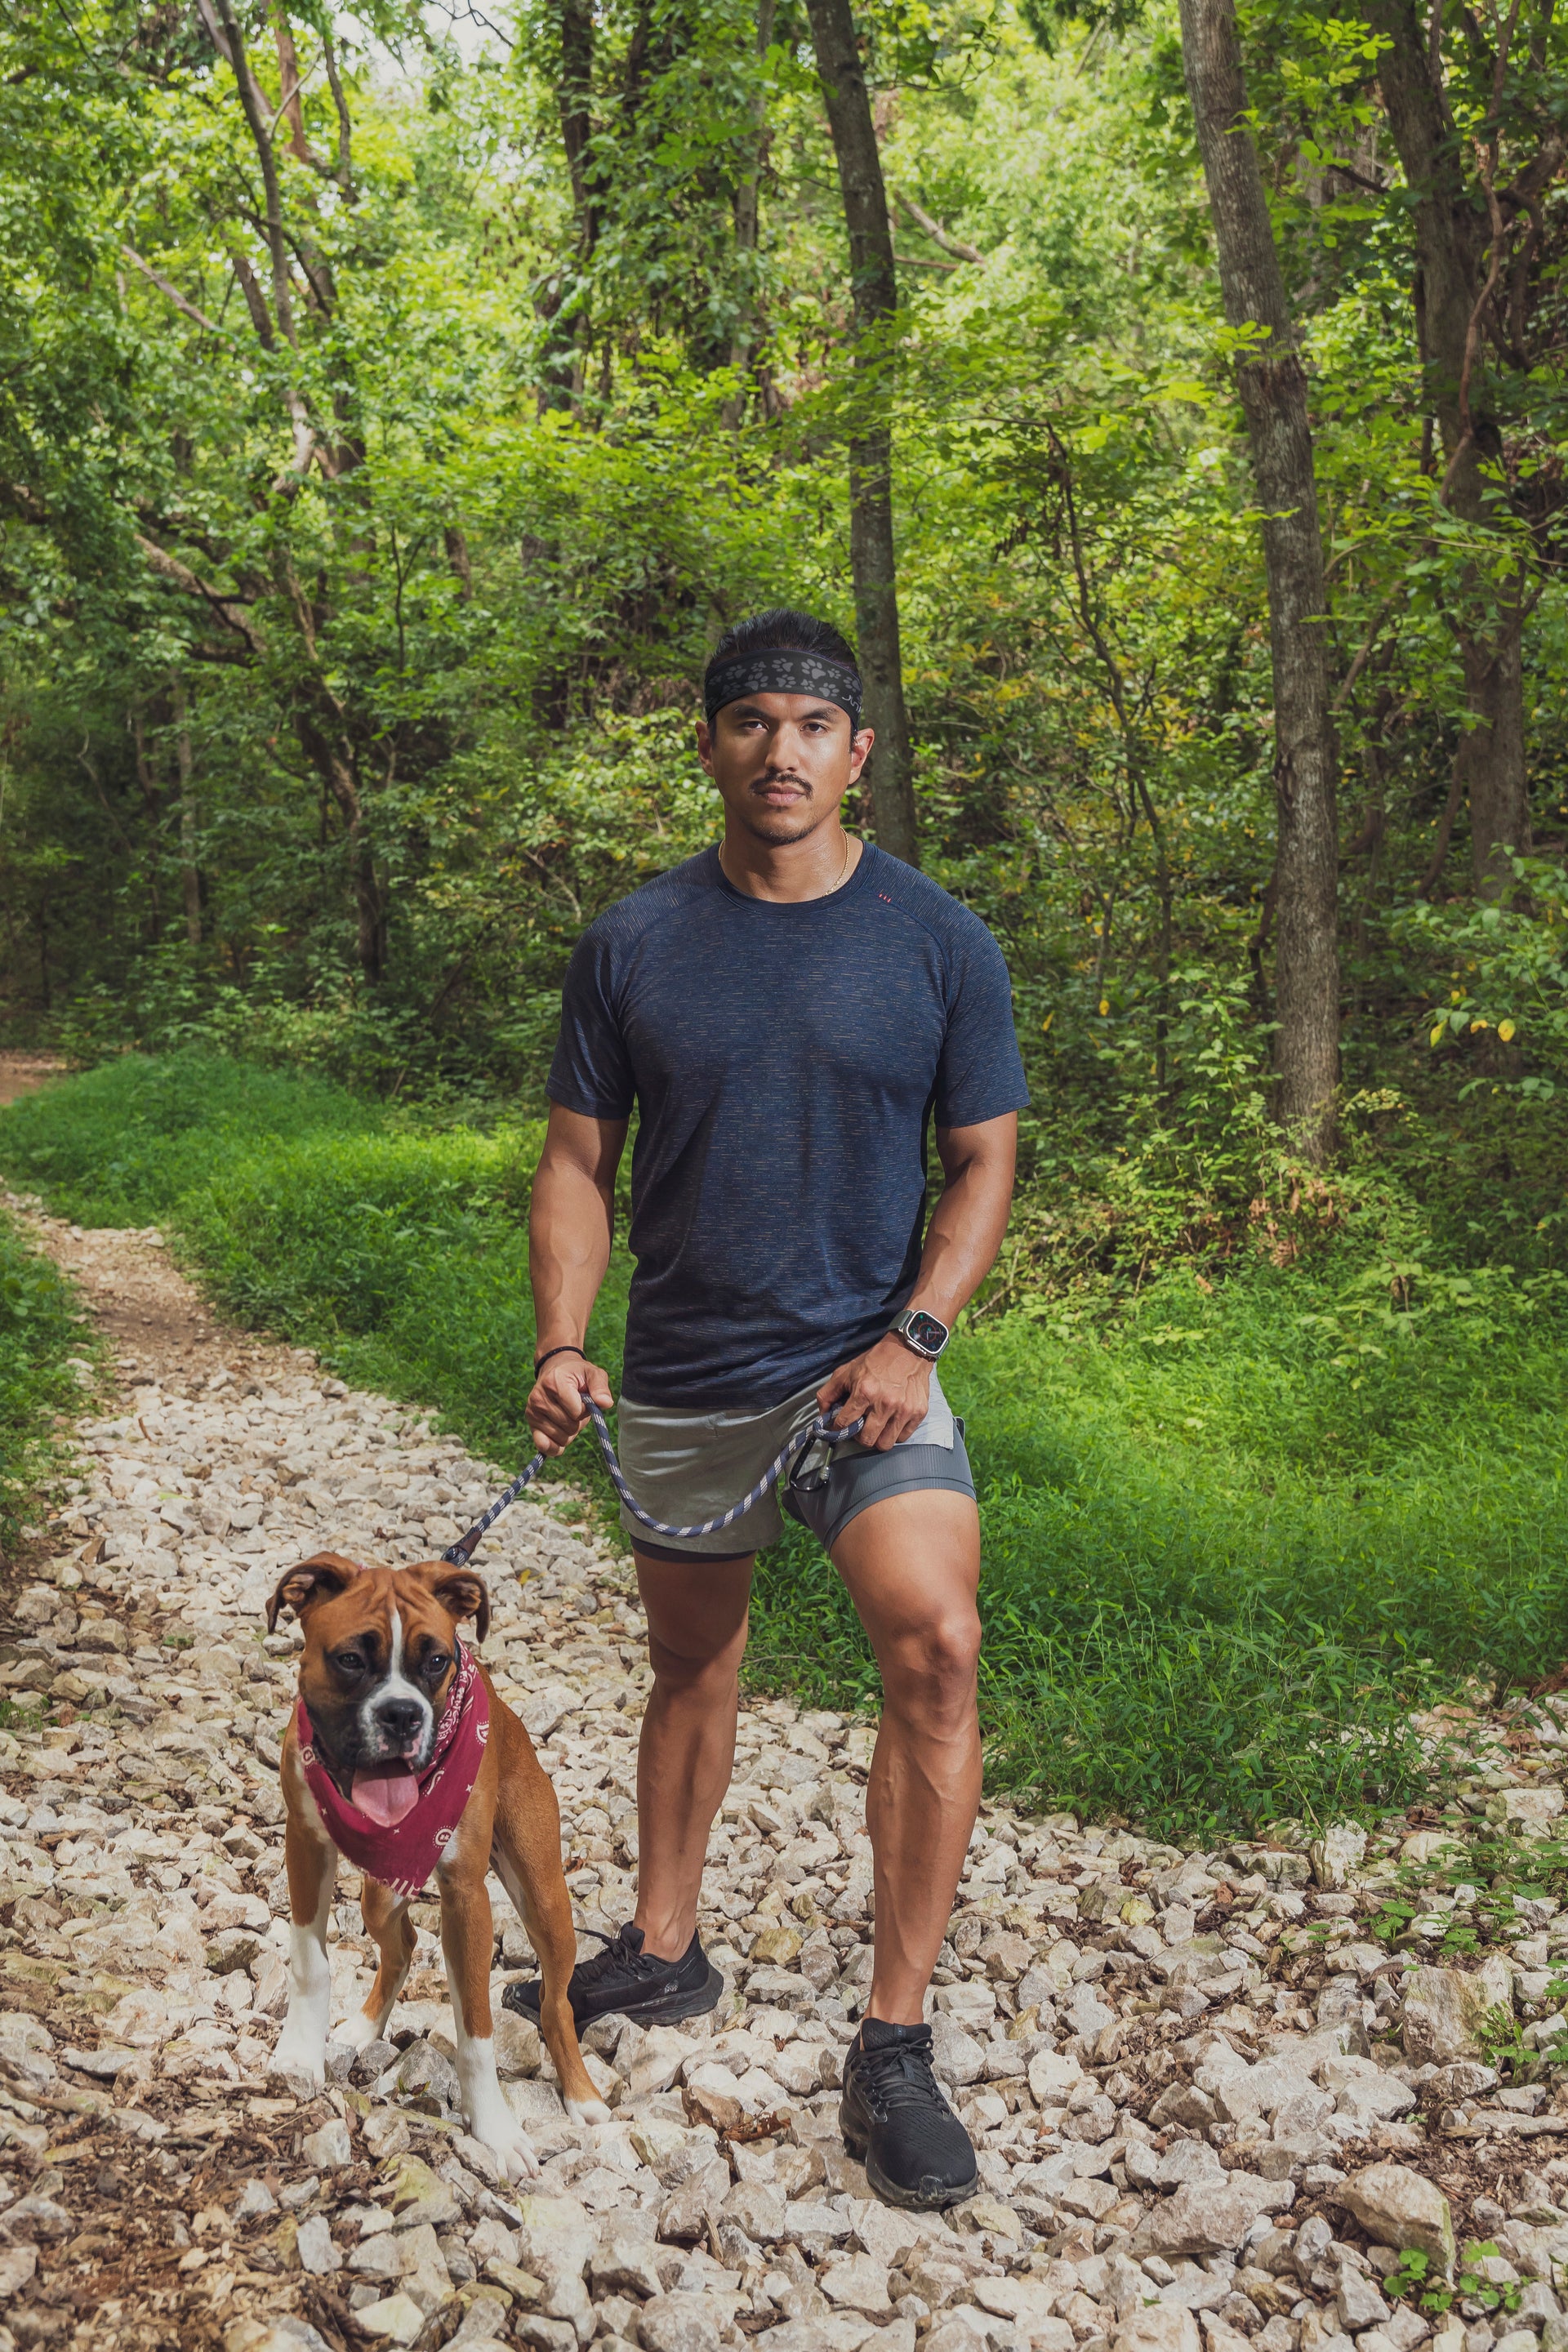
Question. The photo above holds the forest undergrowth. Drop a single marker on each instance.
(1236, 1521)
(42, 1339)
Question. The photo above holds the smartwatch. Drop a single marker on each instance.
(926, 1333)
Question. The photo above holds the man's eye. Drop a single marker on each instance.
(349, 1661)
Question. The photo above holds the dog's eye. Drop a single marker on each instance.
(436, 1664)
(349, 1661)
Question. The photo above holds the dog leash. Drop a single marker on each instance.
(820, 1431)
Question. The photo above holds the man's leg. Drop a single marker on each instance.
(697, 1627)
(911, 1564)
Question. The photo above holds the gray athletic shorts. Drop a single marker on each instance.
(686, 1466)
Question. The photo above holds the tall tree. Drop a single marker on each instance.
(1478, 233)
(871, 551)
(1272, 384)
(190, 872)
(570, 323)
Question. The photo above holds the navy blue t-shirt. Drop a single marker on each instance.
(786, 1060)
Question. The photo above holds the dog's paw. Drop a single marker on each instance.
(588, 2111)
(513, 2150)
(301, 2070)
(357, 2030)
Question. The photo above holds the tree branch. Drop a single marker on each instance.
(172, 293)
(292, 81)
(935, 231)
(227, 39)
(1428, 882)
(346, 125)
(254, 300)
(179, 575)
(1473, 331)
(1361, 658)
(1542, 168)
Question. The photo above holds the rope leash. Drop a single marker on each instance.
(820, 1431)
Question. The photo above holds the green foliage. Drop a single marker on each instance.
(39, 1329)
(402, 1254)
(121, 1146)
(1218, 1568)
(406, 713)
(1411, 2280)
(1509, 969)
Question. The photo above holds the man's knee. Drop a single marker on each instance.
(929, 1673)
(692, 1657)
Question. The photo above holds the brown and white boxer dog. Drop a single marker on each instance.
(400, 1757)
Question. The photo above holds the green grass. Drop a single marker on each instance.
(401, 1254)
(1228, 1538)
(38, 1331)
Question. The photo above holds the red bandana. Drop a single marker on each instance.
(401, 1841)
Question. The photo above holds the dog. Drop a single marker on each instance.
(401, 1755)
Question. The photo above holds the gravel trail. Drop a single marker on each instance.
(1211, 2107)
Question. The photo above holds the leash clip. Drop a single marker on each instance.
(812, 1466)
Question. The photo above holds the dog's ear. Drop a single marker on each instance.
(461, 1593)
(320, 1579)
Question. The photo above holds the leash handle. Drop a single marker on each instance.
(820, 1431)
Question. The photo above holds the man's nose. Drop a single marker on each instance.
(400, 1718)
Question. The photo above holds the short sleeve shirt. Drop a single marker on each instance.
(786, 1062)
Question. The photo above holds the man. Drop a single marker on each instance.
(786, 1011)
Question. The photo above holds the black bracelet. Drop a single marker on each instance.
(565, 1348)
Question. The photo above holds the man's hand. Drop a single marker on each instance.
(555, 1411)
(889, 1384)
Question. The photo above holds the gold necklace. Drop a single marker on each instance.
(844, 869)
(835, 887)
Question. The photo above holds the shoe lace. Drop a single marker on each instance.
(620, 1956)
(900, 2075)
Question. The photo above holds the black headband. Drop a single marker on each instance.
(782, 671)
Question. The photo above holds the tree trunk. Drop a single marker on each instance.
(153, 810)
(289, 82)
(1491, 757)
(1452, 257)
(190, 873)
(746, 193)
(871, 553)
(335, 765)
(569, 327)
(1273, 389)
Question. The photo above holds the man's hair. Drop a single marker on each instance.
(784, 630)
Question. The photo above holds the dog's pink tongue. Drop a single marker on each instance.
(385, 1796)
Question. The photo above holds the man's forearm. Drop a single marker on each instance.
(569, 1235)
(964, 1233)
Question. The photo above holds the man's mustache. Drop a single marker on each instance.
(781, 776)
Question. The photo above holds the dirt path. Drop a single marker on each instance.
(21, 1073)
(1164, 2058)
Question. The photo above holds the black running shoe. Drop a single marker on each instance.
(623, 1980)
(892, 2114)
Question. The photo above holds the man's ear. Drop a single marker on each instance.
(461, 1593)
(320, 1579)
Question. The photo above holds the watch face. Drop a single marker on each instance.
(924, 1332)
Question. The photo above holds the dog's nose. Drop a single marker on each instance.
(400, 1718)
